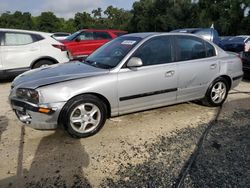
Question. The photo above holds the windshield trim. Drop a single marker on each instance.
(73, 36)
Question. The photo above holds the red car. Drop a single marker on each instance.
(82, 43)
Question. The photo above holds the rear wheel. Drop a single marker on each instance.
(84, 116)
(42, 63)
(217, 93)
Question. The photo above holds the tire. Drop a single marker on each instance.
(216, 93)
(84, 116)
(42, 63)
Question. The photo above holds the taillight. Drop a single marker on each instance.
(60, 46)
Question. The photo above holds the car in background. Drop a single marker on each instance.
(240, 44)
(22, 50)
(245, 58)
(131, 73)
(235, 44)
(210, 34)
(247, 46)
(82, 43)
(60, 35)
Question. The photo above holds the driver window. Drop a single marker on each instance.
(85, 36)
(156, 51)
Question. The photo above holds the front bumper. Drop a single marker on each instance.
(30, 114)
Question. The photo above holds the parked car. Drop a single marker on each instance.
(247, 46)
(239, 44)
(235, 44)
(22, 50)
(131, 73)
(245, 58)
(210, 34)
(60, 35)
(82, 43)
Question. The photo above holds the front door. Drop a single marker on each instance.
(152, 85)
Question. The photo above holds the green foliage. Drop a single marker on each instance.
(17, 20)
(230, 17)
(48, 22)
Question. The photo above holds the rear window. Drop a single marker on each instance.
(119, 33)
(102, 35)
(60, 34)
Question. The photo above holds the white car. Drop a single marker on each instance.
(22, 50)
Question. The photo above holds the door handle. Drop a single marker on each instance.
(169, 73)
(213, 66)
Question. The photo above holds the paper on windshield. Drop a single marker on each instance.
(128, 42)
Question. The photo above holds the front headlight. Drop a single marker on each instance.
(29, 95)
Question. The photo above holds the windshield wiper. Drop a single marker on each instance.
(89, 62)
(97, 64)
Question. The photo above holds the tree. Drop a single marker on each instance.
(17, 20)
(83, 21)
(48, 22)
(117, 18)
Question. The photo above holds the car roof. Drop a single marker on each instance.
(190, 30)
(111, 30)
(26, 31)
(150, 34)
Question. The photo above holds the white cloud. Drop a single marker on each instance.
(68, 8)
(61, 8)
(3, 8)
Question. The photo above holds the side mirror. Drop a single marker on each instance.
(134, 62)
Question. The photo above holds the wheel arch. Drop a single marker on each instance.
(228, 79)
(101, 97)
(43, 58)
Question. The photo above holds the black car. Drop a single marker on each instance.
(235, 44)
(245, 57)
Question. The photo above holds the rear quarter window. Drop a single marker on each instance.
(210, 50)
(37, 37)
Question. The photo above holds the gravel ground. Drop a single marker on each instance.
(224, 159)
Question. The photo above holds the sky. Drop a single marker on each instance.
(61, 8)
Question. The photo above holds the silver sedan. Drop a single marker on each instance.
(131, 73)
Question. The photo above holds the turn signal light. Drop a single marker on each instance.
(44, 110)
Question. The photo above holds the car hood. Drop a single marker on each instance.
(56, 73)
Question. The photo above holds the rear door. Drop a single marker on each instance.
(198, 66)
(152, 85)
(19, 50)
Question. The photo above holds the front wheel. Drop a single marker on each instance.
(84, 116)
(217, 93)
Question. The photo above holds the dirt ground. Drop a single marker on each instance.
(146, 149)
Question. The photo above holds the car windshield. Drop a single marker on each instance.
(109, 55)
(73, 36)
(238, 39)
